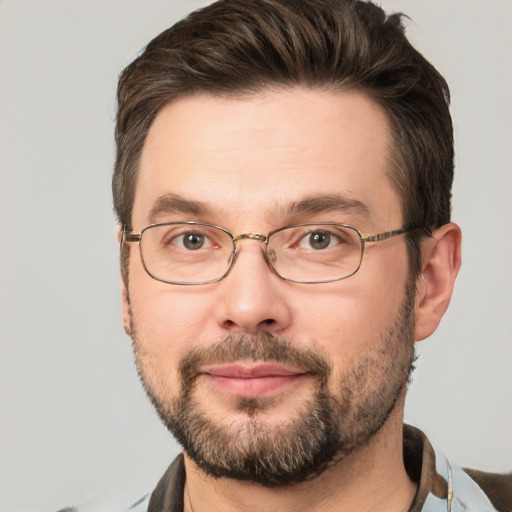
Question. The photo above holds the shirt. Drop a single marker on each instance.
(441, 486)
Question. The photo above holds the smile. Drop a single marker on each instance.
(251, 380)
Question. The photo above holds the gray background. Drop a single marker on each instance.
(74, 421)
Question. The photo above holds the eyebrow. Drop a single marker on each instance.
(326, 203)
(173, 203)
(313, 205)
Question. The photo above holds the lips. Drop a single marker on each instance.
(251, 380)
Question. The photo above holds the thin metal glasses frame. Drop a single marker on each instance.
(131, 237)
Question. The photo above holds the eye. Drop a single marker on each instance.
(318, 240)
(191, 241)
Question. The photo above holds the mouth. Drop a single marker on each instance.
(251, 380)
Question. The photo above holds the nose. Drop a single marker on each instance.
(252, 298)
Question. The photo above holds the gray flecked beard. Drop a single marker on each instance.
(327, 427)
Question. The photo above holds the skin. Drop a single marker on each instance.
(248, 159)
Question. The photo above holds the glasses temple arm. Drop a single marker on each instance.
(395, 232)
(129, 236)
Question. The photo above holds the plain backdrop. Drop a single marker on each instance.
(75, 424)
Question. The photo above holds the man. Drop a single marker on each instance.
(282, 184)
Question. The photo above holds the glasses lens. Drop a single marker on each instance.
(315, 253)
(186, 253)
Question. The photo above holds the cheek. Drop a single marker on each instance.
(353, 316)
(166, 320)
(164, 331)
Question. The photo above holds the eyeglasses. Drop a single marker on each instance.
(193, 253)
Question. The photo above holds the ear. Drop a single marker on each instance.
(440, 266)
(125, 296)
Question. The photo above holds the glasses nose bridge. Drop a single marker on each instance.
(251, 236)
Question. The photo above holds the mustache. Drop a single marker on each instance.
(265, 347)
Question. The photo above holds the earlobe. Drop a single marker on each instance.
(440, 265)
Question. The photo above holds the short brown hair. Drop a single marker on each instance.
(245, 46)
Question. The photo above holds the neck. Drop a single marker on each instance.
(371, 478)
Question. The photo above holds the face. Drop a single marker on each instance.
(261, 378)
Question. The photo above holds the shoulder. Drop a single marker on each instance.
(475, 491)
(168, 495)
(497, 487)
(444, 486)
(111, 504)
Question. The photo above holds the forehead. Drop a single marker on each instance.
(255, 157)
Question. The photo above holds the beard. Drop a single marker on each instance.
(326, 427)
